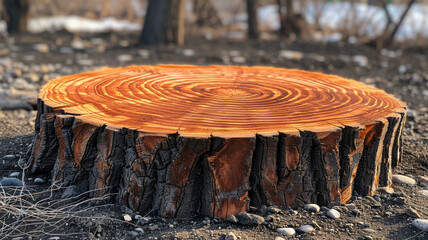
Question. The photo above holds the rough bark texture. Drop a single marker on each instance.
(183, 177)
(164, 22)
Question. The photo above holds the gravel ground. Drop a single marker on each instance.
(29, 61)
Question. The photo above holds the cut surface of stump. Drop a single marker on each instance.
(181, 141)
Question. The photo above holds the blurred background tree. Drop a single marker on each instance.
(164, 22)
(376, 22)
(16, 15)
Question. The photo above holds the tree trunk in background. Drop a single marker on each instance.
(206, 13)
(252, 19)
(293, 25)
(388, 41)
(164, 22)
(387, 37)
(17, 15)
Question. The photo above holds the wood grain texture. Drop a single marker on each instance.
(182, 141)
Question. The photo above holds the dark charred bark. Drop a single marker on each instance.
(181, 177)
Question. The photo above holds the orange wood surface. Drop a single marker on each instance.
(223, 101)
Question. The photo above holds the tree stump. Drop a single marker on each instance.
(182, 141)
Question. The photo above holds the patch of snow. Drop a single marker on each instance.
(77, 24)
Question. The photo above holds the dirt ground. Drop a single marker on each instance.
(29, 61)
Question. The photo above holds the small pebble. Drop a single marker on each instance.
(274, 209)
(133, 233)
(279, 238)
(249, 219)
(421, 224)
(286, 231)
(349, 225)
(386, 190)
(424, 193)
(312, 207)
(14, 174)
(401, 179)
(369, 231)
(127, 218)
(153, 227)
(412, 213)
(188, 52)
(11, 182)
(423, 181)
(305, 229)
(140, 230)
(334, 214)
(232, 219)
(9, 157)
(230, 236)
(39, 181)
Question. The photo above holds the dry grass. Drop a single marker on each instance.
(25, 212)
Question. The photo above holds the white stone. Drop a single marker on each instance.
(423, 181)
(238, 59)
(401, 179)
(188, 52)
(39, 180)
(286, 231)
(334, 214)
(279, 238)
(421, 224)
(230, 236)
(14, 174)
(127, 218)
(306, 229)
(124, 58)
(41, 47)
(144, 53)
(311, 207)
(424, 193)
(293, 55)
(361, 60)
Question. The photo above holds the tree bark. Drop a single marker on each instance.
(164, 22)
(293, 25)
(252, 19)
(186, 174)
(387, 37)
(16, 15)
(206, 13)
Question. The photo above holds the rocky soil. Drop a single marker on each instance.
(29, 61)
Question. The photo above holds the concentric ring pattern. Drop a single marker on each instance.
(218, 100)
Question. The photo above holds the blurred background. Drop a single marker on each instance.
(355, 21)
